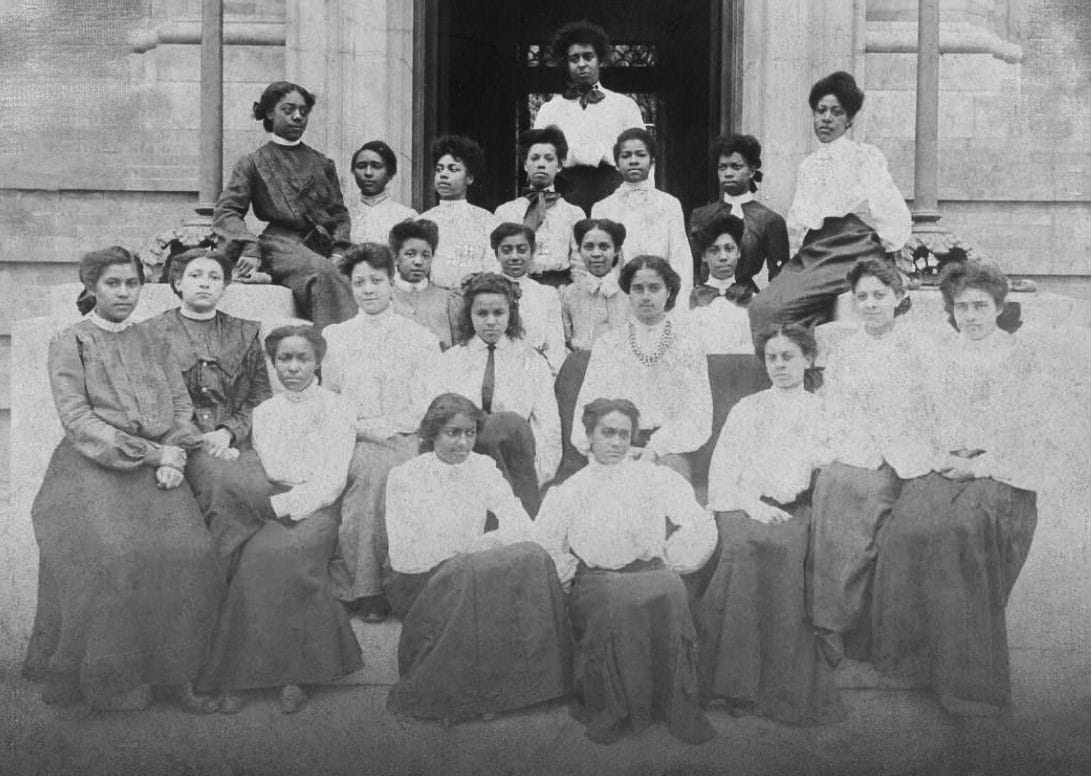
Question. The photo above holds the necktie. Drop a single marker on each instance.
(704, 295)
(585, 94)
(488, 383)
(538, 202)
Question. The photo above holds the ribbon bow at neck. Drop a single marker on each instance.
(539, 201)
(739, 294)
(584, 93)
(606, 285)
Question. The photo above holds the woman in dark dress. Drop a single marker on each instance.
(130, 578)
(295, 189)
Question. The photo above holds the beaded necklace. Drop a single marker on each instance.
(665, 341)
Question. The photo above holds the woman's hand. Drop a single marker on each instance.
(217, 443)
(767, 513)
(168, 478)
(246, 265)
(956, 467)
(167, 455)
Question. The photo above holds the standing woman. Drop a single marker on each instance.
(846, 207)
(223, 366)
(958, 536)
(295, 189)
(758, 651)
(125, 555)
(655, 362)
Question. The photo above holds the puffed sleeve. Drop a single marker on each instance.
(323, 489)
(183, 432)
(228, 217)
(596, 383)
(725, 469)
(420, 357)
(566, 315)
(631, 116)
(545, 419)
(255, 384)
(405, 518)
(555, 350)
(514, 524)
(552, 528)
(889, 213)
(691, 425)
(692, 544)
(776, 245)
(680, 254)
(93, 437)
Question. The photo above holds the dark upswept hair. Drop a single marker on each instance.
(800, 335)
(510, 229)
(179, 262)
(883, 270)
(488, 283)
(464, 149)
(635, 133)
(613, 228)
(721, 223)
(551, 135)
(418, 229)
(273, 94)
(584, 32)
(93, 264)
(957, 276)
(306, 331)
(656, 264)
(375, 255)
(746, 146)
(597, 409)
(385, 152)
(842, 86)
(439, 413)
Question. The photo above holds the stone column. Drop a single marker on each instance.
(212, 107)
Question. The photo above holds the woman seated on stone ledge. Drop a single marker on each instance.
(485, 629)
(129, 579)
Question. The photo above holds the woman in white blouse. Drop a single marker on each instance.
(758, 651)
(606, 528)
(280, 625)
(507, 379)
(475, 604)
(846, 206)
(953, 547)
(655, 362)
(876, 396)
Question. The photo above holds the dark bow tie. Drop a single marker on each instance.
(538, 202)
(585, 94)
(703, 295)
(532, 195)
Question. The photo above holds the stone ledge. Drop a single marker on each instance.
(954, 38)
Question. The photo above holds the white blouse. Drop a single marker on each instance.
(844, 177)
(592, 131)
(524, 386)
(654, 225)
(436, 510)
(610, 516)
(381, 364)
(554, 244)
(540, 311)
(878, 401)
(722, 326)
(674, 395)
(464, 246)
(373, 217)
(305, 440)
(770, 444)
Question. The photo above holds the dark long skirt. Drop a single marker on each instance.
(133, 573)
(279, 623)
(849, 507)
(948, 559)
(758, 649)
(488, 633)
(808, 285)
(635, 653)
(508, 439)
(321, 292)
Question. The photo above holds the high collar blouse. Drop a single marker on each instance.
(592, 131)
(464, 246)
(373, 217)
(540, 311)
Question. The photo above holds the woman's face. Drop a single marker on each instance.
(611, 437)
(295, 363)
(455, 440)
(634, 161)
(116, 292)
(583, 64)
(201, 285)
(975, 313)
(875, 303)
(598, 252)
(722, 257)
(289, 116)
(490, 316)
(371, 173)
(515, 254)
(414, 260)
(785, 362)
(452, 179)
(542, 165)
(735, 174)
(648, 294)
(830, 119)
(370, 288)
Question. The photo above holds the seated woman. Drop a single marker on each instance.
(846, 206)
(758, 651)
(295, 189)
(718, 304)
(280, 625)
(130, 581)
(484, 628)
(522, 429)
(875, 395)
(655, 362)
(953, 547)
(223, 366)
(593, 302)
(607, 527)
